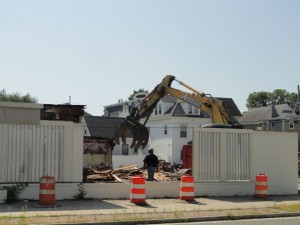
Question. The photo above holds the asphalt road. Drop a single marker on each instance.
(270, 221)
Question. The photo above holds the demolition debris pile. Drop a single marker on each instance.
(166, 172)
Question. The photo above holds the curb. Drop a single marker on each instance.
(192, 219)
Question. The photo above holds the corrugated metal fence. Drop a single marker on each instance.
(238, 156)
(28, 152)
(209, 156)
(221, 156)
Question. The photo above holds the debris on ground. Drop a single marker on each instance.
(166, 172)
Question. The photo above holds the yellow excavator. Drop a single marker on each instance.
(205, 102)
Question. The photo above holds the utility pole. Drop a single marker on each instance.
(297, 105)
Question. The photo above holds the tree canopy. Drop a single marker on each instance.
(278, 96)
(16, 97)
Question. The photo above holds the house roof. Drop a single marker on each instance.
(100, 126)
(169, 98)
(271, 112)
(178, 111)
(230, 106)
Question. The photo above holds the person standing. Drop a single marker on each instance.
(151, 164)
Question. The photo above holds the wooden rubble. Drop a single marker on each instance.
(125, 173)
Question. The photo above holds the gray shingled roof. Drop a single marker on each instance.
(230, 107)
(178, 111)
(271, 112)
(99, 126)
(169, 98)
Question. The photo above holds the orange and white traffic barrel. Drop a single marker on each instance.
(137, 191)
(47, 191)
(261, 186)
(187, 191)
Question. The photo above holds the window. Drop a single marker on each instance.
(166, 129)
(272, 123)
(158, 110)
(291, 125)
(190, 109)
(125, 149)
(193, 110)
(287, 111)
(183, 132)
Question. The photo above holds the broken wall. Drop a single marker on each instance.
(97, 153)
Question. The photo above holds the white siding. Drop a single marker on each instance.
(169, 146)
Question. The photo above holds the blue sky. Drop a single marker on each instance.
(98, 52)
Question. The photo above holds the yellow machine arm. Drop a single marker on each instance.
(219, 118)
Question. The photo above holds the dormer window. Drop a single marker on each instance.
(158, 109)
(190, 109)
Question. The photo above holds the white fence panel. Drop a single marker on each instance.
(28, 152)
(222, 155)
(238, 156)
(209, 156)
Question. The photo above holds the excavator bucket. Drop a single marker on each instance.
(140, 134)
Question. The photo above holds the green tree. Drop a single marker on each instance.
(134, 92)
(16, 97)
(258, 99)
(278, 96)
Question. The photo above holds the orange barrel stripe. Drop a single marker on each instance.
(261, 186)
(47, 190)
(187, 191)
(137, 191)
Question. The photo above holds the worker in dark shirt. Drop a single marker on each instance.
(151, 164)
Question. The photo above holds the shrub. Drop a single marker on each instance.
(81, 192)
(13, 192)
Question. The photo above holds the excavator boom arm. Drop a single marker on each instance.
(196, 98)
(208, 104)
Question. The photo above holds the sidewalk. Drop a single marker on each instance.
(155, 210)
